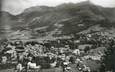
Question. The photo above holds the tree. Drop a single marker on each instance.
(108, 61)
(87, 48)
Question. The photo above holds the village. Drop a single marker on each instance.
(82, 53)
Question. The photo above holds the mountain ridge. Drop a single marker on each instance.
(65, 19)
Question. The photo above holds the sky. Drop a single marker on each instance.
(16, 7)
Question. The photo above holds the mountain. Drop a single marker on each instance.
(52, 22)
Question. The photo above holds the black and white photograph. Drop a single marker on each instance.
(57, 35)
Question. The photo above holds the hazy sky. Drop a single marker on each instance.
(17, 6)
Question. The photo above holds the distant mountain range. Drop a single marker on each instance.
(49, 22)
